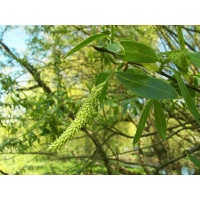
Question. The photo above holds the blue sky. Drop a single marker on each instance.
(16, 39)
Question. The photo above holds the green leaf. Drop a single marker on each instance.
(103, 93)
(194, 58)
(100, 79)
(111, 58)
(135, 71)
(125, 104)
(44, 129)
(35, 125)
(146, 86)
(138, 52)
(32, 138)
(86, 42)
(177, 88)
(194, 160)
(160, 119)
(53, 127)
(196, 80)
(142, 122)
(116, 48)
(151, 67)
(188, 99)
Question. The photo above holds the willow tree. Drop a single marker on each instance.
(106, 99)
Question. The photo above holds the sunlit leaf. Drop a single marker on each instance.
(86, 42)
(116, 47)
(138, 52)
(194, 160)
(142, 122)
(187, 97)
(196, 80)
(146, 86)
(160, 119)
(136, 71)
(152, 67)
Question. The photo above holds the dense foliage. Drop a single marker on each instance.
(100, 100)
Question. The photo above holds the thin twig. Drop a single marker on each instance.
(185, 153)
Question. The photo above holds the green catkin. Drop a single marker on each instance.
(180, 38)
(81, 118)
(183, 60)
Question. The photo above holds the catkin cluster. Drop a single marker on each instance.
(81, 118)
(180, 37)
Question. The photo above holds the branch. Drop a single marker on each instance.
(115, 55)
(133, 163)
(174, 80)
(174, 34)
(161, 73)
(100, 149)
(81, 29)
(26, 89)
(30, 153)
(30, 68)
(149, 134)
(164, 35)
(192, 30)
(191, 150)
(4, 173)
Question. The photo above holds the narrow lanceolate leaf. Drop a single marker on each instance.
(187, 97)
(160, 119)
(146, 86)
(142, 122)
(194, 160)
(100, 79)
(86, 42)
(138, 52)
